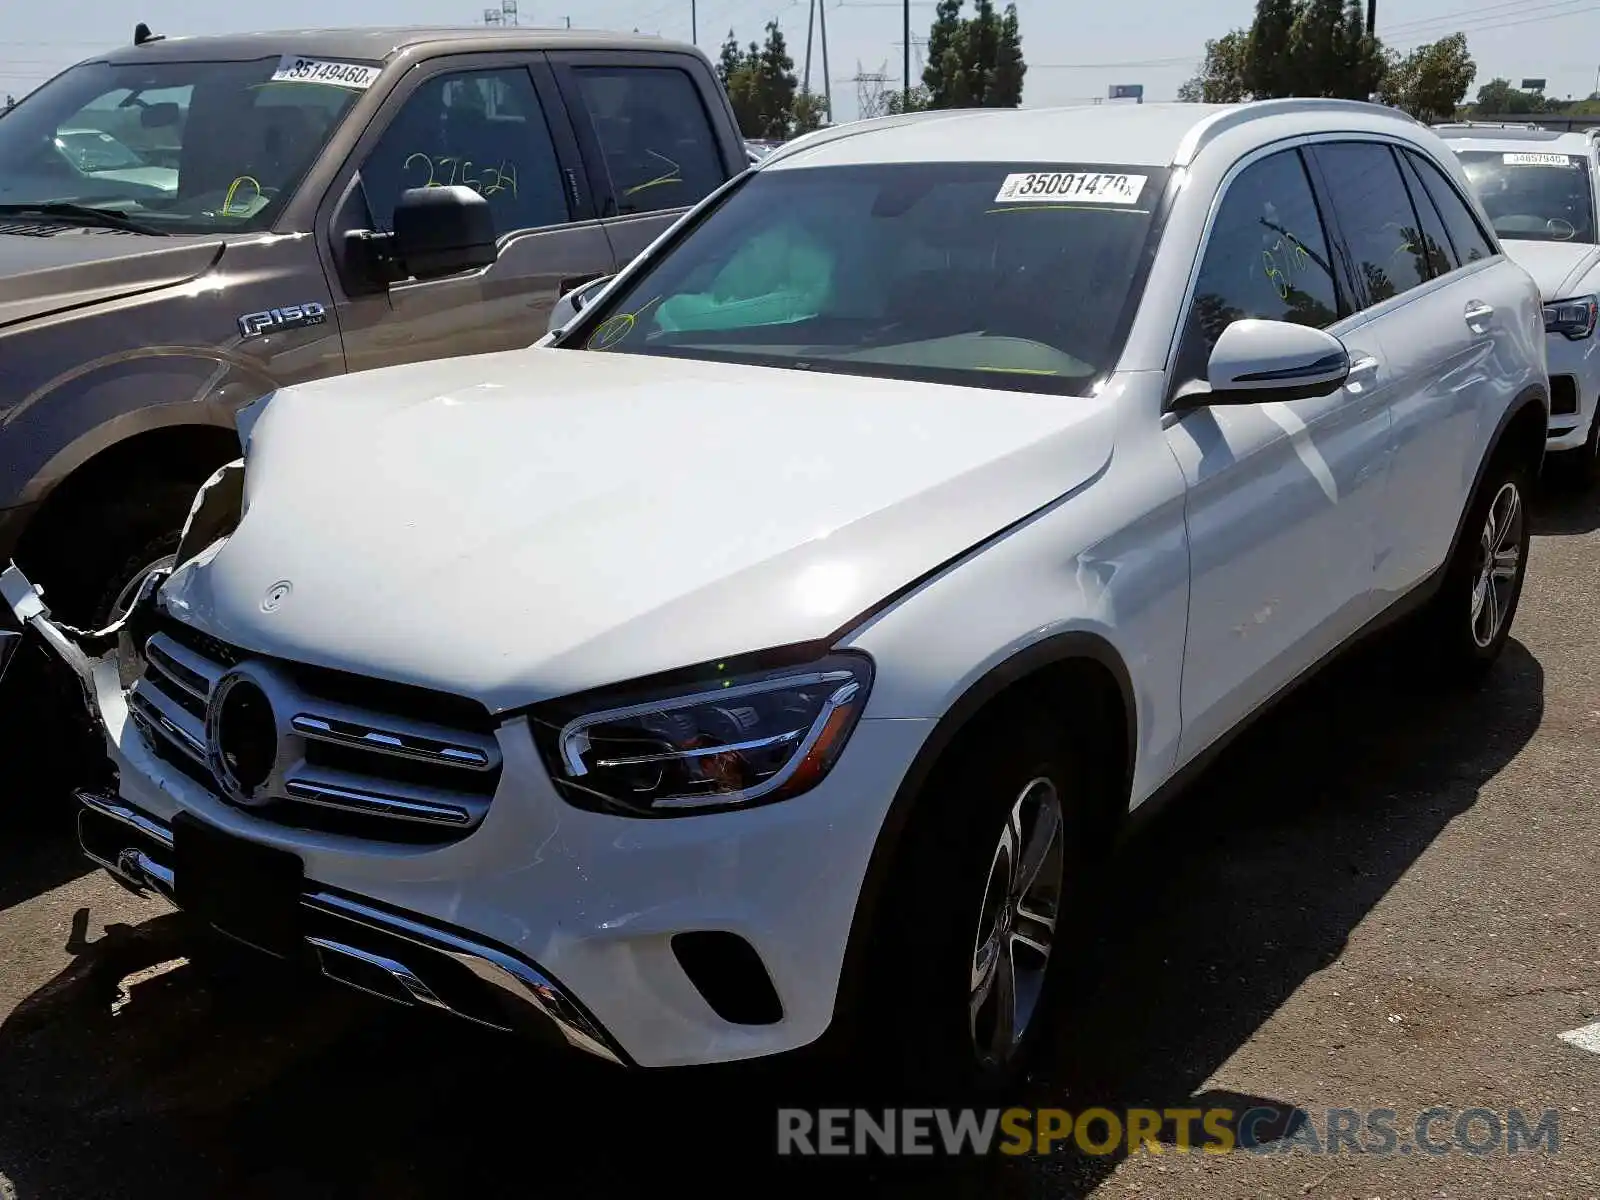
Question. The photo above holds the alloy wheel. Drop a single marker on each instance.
(1499, 565)
(1017, 924)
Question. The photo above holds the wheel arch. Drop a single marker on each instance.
(1522, 430)
(1053, 674)
(173, 452)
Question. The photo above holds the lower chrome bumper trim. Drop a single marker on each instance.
(500, 971)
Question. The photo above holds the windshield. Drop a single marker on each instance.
(1533, 197)
(188, 147)
(981, 274)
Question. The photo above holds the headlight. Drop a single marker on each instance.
(727, 739)
(1574, 319)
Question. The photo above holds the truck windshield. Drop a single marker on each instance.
(1533, 197)
(984, 274)
(183, 147)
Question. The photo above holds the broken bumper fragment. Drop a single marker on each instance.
(84, 652)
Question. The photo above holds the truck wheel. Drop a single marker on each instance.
(972, 949)
(1467, 624)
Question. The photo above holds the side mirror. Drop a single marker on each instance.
(442, 231)
(438, 231)
(1258, 362)
(574, 302)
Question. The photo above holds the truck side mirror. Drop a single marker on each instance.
(442, 231)
(438, 231)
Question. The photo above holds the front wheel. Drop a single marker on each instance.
(971, 953)
(1468, 623)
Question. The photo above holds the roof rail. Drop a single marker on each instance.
(1235, 115)
(1489, 125)
(837, 133)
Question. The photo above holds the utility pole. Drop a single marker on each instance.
(694, 20)
(905, 105)
(827, 76)
(1372, 18)
(811, 22)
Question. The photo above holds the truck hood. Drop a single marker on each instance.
(518, 526)
(1557, 267)
(50, 268)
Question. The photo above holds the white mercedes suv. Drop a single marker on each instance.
(1537, 187)
(770, 653)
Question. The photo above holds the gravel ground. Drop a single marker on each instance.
(1376, 900)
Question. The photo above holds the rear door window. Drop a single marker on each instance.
(1373, 210)
(660, 148)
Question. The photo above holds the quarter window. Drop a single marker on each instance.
(1267, 258)
(1374, 212)
(1465, 233)
(1435, 240)
(481, 129)
(660, 148)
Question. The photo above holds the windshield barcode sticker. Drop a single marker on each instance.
(294, 69)
(1077, 187)
(1537, 160)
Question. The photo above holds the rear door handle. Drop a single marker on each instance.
(1478, 313)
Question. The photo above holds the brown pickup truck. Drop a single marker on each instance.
(187, 224)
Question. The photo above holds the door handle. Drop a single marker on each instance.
(1478, 313)
(1362, 368)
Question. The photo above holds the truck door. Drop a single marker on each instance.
(493, 123)
(656, 133)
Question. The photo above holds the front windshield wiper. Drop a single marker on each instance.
(83, 214)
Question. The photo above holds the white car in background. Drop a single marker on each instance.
(1538, 189)
(769, 656)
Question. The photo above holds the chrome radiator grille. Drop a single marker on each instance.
(347, 754)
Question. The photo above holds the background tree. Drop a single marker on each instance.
(1221, 78)
(1310, 48)
(895, 102)
(810, 113)
(762, 86)
(974, 62)
(1431, 81)
(1264, 67)
(1498, 97)
(729, 59)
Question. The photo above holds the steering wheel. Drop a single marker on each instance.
(1556, 224)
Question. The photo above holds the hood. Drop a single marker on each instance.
(49, 267)
(517, 526)
(1557, 267)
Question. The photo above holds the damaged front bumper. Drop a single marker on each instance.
(393, 954)
(84, 652)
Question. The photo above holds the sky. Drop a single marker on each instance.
(1075, 50)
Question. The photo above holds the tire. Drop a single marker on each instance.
(958, 912)
(90, 558)
(1467, 624)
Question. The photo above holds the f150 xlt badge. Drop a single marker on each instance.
(290, 316)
